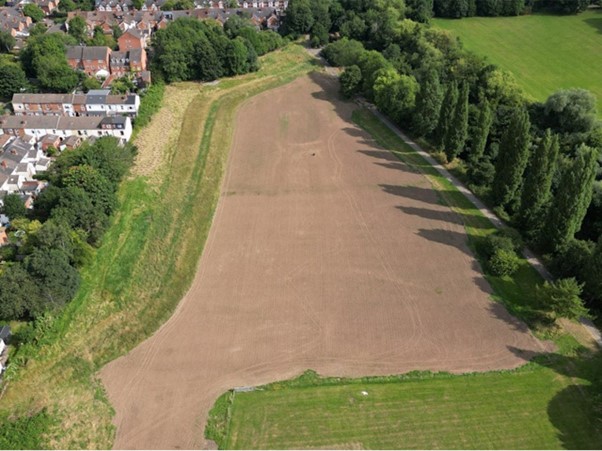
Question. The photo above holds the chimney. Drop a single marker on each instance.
(3, 164)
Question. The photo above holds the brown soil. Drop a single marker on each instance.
(326, 252)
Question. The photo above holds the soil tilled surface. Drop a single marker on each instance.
(326, 252)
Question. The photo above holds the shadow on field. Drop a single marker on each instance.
(595, 22)
(576, 411)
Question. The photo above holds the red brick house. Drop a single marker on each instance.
(130, 40)
(94, 61)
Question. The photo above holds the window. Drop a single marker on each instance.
(122, 133)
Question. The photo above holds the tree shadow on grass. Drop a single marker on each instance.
(575, 411)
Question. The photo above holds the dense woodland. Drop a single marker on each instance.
(50, 242)
(537, 164)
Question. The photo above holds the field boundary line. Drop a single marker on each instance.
(490, 215)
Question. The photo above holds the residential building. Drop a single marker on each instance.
(93, 60)
(13, 21)
(95, 102)
(64, 126)
(130, 40)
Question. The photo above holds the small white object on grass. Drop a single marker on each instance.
(365, 393)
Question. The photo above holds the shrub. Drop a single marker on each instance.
(497, 241)
(562, 298)
(503, 262)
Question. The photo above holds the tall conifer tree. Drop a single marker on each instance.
(538, 183)
(571, 201)
(481, 132)
(428, 104)
(446, 114)
(512, 158)
(458, 130)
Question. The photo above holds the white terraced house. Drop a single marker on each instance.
(64, 126)
(96, 102)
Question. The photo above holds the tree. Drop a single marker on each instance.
(419, 10)
(572, 198)
(14, 206)
(571, 111)
(593, 274)
(7, 42)
(78, 28)
(98, 187)
(512, 158)
(458, 131)
(480, 133)
(236, 57)
(55, 279)
(299, 17)
(344, 52)
(137, 4)
(351, 81)
(445, 115)
(562, 298)
(67, 6)
(37, 29)
(56, 75)
(395, 94)
(319, 35)
(370, 62)
(537, 188)
(91, 83)
(12, 80)
(17, 290)
(428, 104)
(34, 11)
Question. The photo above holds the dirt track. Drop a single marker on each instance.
(325, 252)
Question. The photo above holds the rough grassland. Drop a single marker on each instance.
(542, 405)
(544, 52)
(147, 259)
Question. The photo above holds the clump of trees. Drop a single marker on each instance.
(539, 164)
(189, 49)
(49, 243)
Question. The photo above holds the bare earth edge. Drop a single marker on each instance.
(326, 252)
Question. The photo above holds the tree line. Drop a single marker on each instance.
(39, 271)
(189, 49)
(537, 163)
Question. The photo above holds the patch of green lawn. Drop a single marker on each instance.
(544, 52)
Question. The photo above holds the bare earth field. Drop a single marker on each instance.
(325, 252)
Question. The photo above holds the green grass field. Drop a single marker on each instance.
(544, 52)
(543, 405)
(533, 408)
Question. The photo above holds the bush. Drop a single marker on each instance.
(562, 298)
(351, 81)
(503, 262)
(344, 52)
(498, 241)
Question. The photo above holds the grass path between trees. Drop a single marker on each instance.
(145, 265)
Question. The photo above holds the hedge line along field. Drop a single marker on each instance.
(544, 52)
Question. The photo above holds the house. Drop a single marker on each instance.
(93, 60)
(123, 63)
(50, 141)
(94, 102)
(3, 236)
(72, 142)
(64, 126)
(13, 21)
(131, 39)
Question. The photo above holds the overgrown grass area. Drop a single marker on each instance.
(146, 262)
(544, 52)
(547, 404)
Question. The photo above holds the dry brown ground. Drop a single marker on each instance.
(327, 253)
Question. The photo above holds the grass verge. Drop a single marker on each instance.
(146, 262)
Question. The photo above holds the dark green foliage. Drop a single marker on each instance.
(395, 94)
(7, 42)
(428, 104)
(299, 17)
(177, 5)
(571, 200)
(536, 192)
(189, 49)
(562, 6)
(78, 28)
(457, 133)
(351, 81)
(573, 260)
(370, 63)
(34, 11)
(455, 8)
(149, 104)
(12, 80)
(122, 85)
(500, 7)
(571, 111)
(13, 206)
(344, 52)
(562, 298)
(17, 290)
(592, 275)
(479, 133)
(91, 83)
(503, 263)
(44, 58)
(512, 159)
(56, 281)
(419, 10)
(446, 114)
(319, 35)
